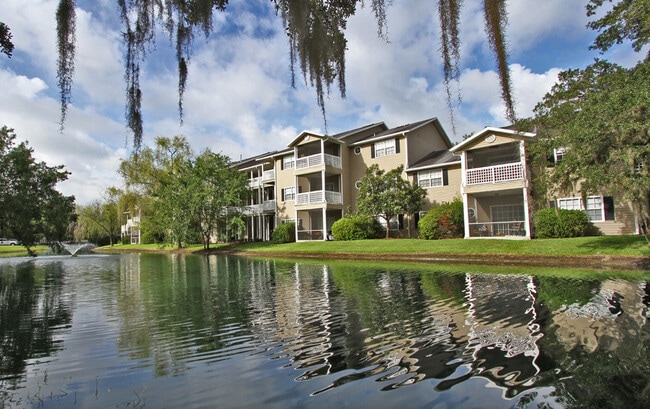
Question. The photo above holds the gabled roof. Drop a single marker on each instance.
(491, 130)
(404, 129)
(435, 159)
(342, 137)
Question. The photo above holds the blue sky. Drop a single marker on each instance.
(239, 100)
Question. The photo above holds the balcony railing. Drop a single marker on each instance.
(495, 174)
(317, 160)
(319, 196)
(267, 206)
(497, 229)
(267, 176)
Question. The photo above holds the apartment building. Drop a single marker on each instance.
(314, 181)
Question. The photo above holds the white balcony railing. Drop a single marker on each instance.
(268, 175)
(267, 206)
(319, 196)
(317, 160)
(497, 229)
(495, 174)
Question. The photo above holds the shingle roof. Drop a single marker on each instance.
(435, 159)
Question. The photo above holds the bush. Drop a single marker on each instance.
(357, 227)
(445, 221)
(562, 223)
(285, 233)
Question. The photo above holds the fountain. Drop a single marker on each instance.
(76, 248)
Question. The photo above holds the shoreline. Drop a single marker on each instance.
(599, 262)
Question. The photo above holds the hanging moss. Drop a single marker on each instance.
(317, 43)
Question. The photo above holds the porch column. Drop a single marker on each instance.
(324, 219)
(526, 212)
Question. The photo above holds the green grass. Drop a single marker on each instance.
(19, 251)
(635, 246)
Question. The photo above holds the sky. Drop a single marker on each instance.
(239, 100)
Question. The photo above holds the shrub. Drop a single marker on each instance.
(285, 233)
(445, 221)
(149, 238)
(357, 227)
(562, 223)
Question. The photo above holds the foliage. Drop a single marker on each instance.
(192, 195)
(315, 29)
(6, 46)
(356, 227)
(600, 116)
(444, 221)
(99, 221)
(30, 206)
(626, 20)
(285, 233)
(562, 223)
(386, 194)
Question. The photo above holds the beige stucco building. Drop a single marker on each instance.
(314, 181)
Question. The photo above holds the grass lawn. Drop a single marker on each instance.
(19, 251)
(635, 246)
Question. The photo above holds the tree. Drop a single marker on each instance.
(30, 206)
(6, 46)
(165, 174)
(100, 221)
(600, 115)
(626, 20)
(315, 29)
(219, 187)
(386, 194)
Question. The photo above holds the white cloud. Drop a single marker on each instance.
(239, 99)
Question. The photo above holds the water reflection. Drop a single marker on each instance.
(191, 330)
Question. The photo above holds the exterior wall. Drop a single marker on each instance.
(499, 140)
(283, 178)
(443, 194)
(624, 219)
(422, 141)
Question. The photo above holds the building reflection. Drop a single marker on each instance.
(351, 322)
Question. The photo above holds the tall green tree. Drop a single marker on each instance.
(315, 30)
(100, 220)
(165, 173)
(30, 206)
(600, 115)
(386, 194)
(221, 187)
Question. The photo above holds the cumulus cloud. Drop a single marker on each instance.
(239, 100)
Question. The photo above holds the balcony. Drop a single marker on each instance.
(267, 176)
(317, 160)
(318, 197)
(495, 174)
(267, 206)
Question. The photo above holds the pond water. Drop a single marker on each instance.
(189, 331)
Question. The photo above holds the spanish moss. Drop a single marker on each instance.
(449, 14)
(66, 20)
(496, 19)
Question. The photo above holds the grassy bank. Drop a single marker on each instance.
(632, 246)
(19, 251)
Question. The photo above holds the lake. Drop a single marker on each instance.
(191, 331)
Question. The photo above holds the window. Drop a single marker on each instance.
(396, 222)
(384, 148)
(289, 193)
(558, 154)
(357, 184)
(430, 178)
(598, 208)
(357, 150)
(288, 162)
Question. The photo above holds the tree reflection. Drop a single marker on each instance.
(33, 306)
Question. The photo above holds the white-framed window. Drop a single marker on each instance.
(384, 148)
(288, 162)
(558, 154)
(430, 178)
(595, 207)
(357, 184)
(289, 193)
(357, 150)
